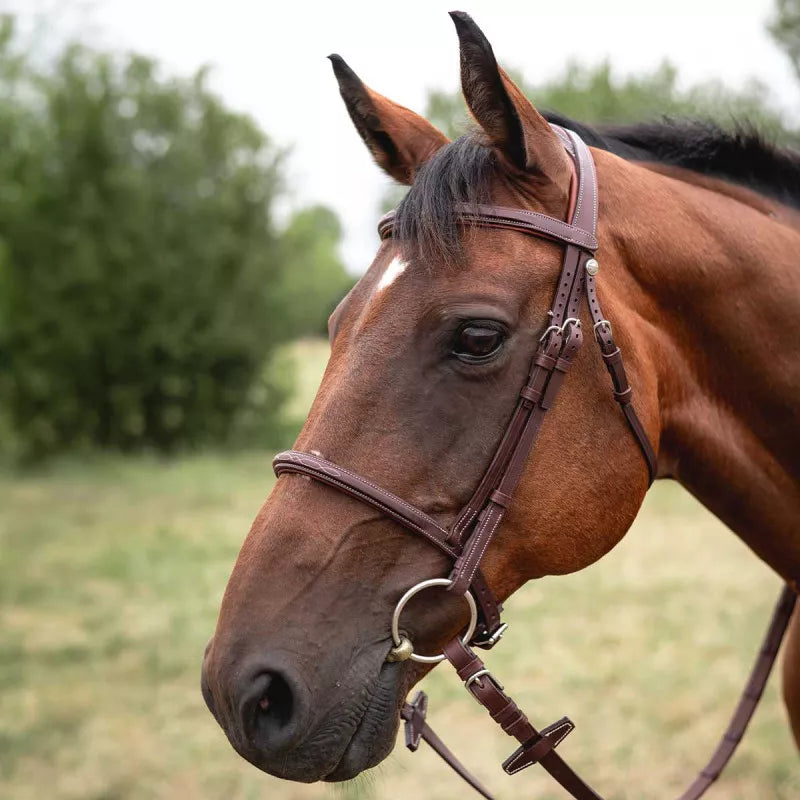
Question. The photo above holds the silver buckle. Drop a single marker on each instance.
(478, 675)
(548, 331)
(492, 640)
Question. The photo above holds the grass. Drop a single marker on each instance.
(111, 576)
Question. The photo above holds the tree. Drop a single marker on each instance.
(139, 262)
(594, 95)
(313, 278)
(785, 29)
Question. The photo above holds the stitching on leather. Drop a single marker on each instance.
(557, 224)
(480, 538)
(519, 768)
(386, 493)
(596, 193)
(581, 186)
(349, 488)
(569, 234)
(582, 153)
(569, 237)
(394, 515)
(567, 726)
(461, 525)
(483, 549)
(383, 507)
(588, 161)
(466, 556)
(471, 517)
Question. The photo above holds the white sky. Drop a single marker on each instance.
(268, 59)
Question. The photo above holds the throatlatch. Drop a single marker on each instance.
(469, 536)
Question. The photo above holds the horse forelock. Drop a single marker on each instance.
(427, 226)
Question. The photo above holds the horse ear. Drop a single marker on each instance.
(507, 117)
(400, 140)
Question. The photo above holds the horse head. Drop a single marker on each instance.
(428, 353)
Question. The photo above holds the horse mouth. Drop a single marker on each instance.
(374, 735)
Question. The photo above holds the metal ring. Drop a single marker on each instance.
(571, 321)
(547, 332)
(401, 604)
(602, 322)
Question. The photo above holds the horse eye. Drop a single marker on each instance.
(476, 343)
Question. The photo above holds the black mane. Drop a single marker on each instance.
(462, 171)
(740, 155)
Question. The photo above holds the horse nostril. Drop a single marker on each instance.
(269, 712)
(276, 701)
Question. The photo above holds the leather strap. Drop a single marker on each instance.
(535, 746)
(417, 728)
(530, 394)
(612, 356)
(492, 515)
(528, 222)
(410, 517)
(540, 747)
(519, 219)
(367, 492)
(553, 359)
(748, 701)
(468, 538)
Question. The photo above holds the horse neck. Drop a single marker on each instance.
(714, 285)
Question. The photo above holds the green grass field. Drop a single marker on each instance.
(111, 575)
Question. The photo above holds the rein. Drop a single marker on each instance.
(465, 541)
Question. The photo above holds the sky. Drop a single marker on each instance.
(268, 58)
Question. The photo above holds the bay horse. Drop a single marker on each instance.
(697, 235)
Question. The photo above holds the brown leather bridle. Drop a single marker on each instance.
(465, 541)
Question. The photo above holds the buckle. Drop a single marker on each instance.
(490, 641)
(603, 323)
(476, 677)
(548, 331)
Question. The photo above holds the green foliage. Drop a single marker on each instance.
(139, 260)
(593, 94)
(313, 279)
(785, 29)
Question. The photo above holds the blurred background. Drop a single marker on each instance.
(183, 201)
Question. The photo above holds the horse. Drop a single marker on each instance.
(697, 235)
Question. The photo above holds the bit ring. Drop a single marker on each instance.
(401, 604)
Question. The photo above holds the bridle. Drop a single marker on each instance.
(466, 540)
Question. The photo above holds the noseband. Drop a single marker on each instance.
(466, 540)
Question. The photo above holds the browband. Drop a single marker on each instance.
(513, 218)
